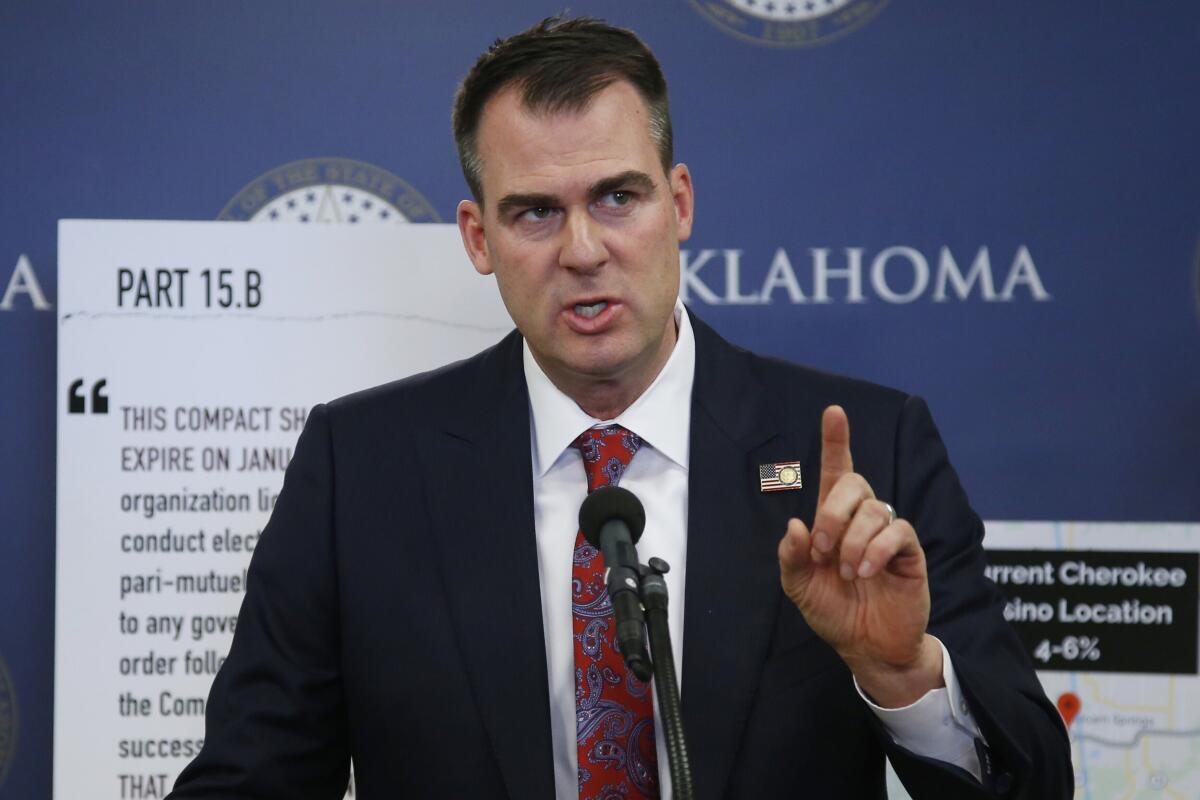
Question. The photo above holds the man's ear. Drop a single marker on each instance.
(470, 227)
(684, 199)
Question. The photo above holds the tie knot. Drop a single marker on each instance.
(606, 453)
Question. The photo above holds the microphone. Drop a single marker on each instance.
(612, 520)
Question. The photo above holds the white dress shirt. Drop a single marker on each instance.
(937, 725)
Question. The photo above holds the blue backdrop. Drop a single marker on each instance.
(1062, 138)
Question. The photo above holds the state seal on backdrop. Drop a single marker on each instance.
(789, 23)
(8, 721)
(329, 190)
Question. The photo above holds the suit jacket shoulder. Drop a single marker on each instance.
(449, 397)
(754, 398)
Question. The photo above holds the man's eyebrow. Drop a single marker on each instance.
(630, 179)
(511, 202)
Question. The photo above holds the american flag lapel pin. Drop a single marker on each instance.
(779, 477)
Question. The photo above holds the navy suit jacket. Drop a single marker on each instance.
(393, 612)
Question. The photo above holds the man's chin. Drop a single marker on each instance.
(599, 364)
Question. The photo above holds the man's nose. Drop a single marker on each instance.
(583, 244)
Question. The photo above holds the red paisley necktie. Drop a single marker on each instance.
(614, 716)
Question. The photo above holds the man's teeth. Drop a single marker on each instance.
(592, 310)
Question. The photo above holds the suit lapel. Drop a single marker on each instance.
(488, 556)
(732, 587)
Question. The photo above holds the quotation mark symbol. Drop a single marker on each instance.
(77, 403)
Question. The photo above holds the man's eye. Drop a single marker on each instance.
(539, 213)
(618, 198)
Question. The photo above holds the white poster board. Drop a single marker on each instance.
(189, 354)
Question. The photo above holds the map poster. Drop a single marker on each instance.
(189, 355)
(1125, 681)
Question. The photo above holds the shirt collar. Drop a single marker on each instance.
(661, 416)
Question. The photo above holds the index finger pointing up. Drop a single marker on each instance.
(835, 449)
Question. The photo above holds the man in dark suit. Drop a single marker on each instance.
(408, 604)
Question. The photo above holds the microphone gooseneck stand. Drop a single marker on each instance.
(653, 590)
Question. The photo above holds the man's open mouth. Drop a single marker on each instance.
(590, 310)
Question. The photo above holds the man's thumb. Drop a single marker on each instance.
(795, 555)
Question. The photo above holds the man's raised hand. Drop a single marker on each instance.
(859, 578)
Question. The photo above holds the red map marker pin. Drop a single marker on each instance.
(1068, 706)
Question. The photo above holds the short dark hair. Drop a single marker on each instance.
(559, 65)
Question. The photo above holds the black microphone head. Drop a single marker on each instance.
(608, 503)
